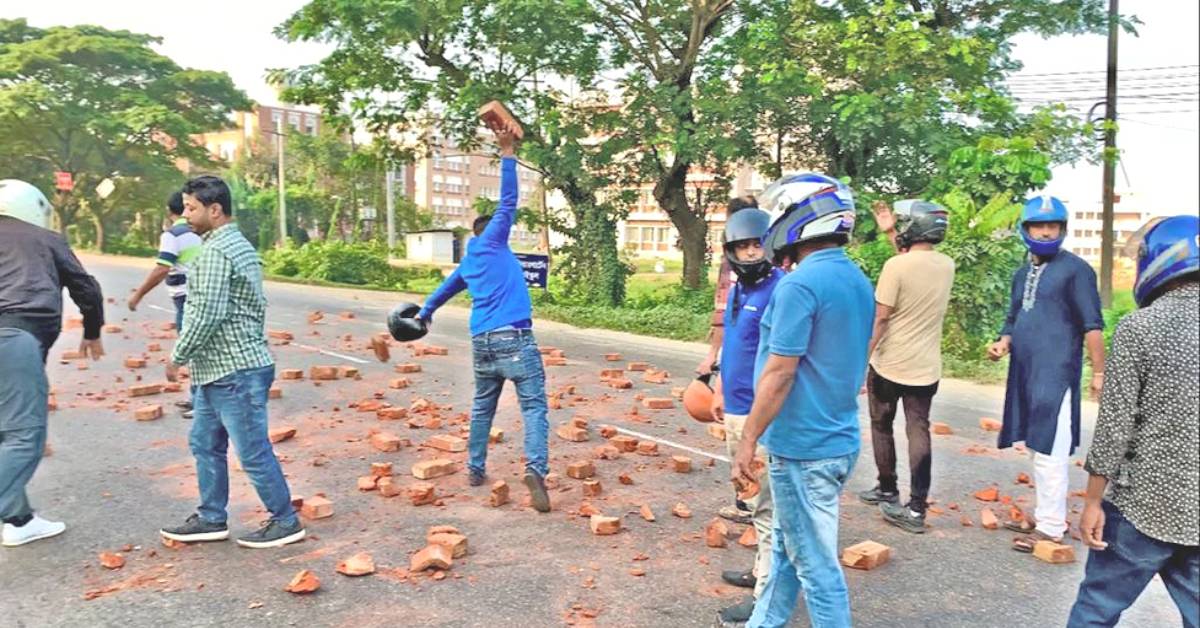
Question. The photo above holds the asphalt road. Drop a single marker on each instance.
(115, 481)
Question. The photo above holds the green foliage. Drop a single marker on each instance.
(347, 263)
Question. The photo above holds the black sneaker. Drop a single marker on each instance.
(903, 517)
(737, 614)
(196, 530)
(187, 414)
(735, 514)
(184, 405)
(537, 491)
(476, 478)
(744, 579)
(876, 496)
(273, 534)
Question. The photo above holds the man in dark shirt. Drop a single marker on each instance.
(35, 265)
(1145, 445)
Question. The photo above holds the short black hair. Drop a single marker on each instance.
(175, 203)
(480, 224)
(208, 190)
(739, 203)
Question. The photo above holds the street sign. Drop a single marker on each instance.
(536, 268)
(63, 181)
(105, 188)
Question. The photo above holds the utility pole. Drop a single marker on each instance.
(282, 193)
(1110, 160)
(391, 208)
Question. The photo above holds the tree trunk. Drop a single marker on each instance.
(671, 193)
(98, 222)
(590, 261)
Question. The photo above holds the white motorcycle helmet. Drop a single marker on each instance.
(24, 202)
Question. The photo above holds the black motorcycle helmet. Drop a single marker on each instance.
(918, 220)
(750, 223)
(403, 323)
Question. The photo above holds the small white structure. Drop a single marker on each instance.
(435, 246)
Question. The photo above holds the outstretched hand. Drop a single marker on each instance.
(506, 138)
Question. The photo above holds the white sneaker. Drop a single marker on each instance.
(35, 529)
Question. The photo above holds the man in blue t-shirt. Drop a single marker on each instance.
(502, 340)
(812, 357)
(733, 391)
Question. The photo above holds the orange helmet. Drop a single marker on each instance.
(697, 399)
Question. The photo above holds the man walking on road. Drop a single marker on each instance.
(225, 343)
(178, 247)
(35, 265)
(502, 342)
(906, 353)
(1054, 310)
(1145, 445)
(812, 356)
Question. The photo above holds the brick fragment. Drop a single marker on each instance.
(499, 495)
(553, 361)
(447, 442)
(380, 347)
(381, 469)
(681, 464)
(144, 390)
(432, 557)
(592, 488)
(715, 533)
(407, 368)
(717, 431)
(280, 335)
(398, 383)
(646, 513)
(606, 452)
(430, 469)
(388, 487)
(659, 403)
(133, 362)
(385, 441)
(453, 541)
(496, 435)
(608, 374)
(682, 511)
(1023, 478)
(612, 357)
(368, 482)
(304, 582)
(656, 377)
(349, 372)
(607, 431)
(274, 392)
(624, 443)
(637, 366)
(153, 347)
(323, 373)
(586, 509)
(581, 470)
(148, 413)
(392, 414)
(988, 519)
(422, 493)
(625, 479)
(603, 526)
(989, 494)
(317, 508)
(866, 555)
(1054, 553)
(72, 355)
(989, 424)
(109, 560)
(360, 564)
(291, 374)
(111, 329)
(941, 429)
(280, 434)
(571, 433)
(620, 383)
(647, 448)
(749, 538)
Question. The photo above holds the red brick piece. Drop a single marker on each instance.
(637, 366)
(280, 335)
(681, 464)
(1054, 553)
(989, 494)
(304, 582)
(145, 390)
(656, 377)
(408, 368)
(571, 433)
(392, 414)
(370, 405)
(387, 486)
(430, 469)
(274, 392)
(581, 470)
(385, 441)
(497, 117)
(682, 511)
(624, 443)
(620, 383)
(607, 374)
(422, 493)
(989, 424)
(280, 434)
(592, 488)
(135, 363)
(360, 564)
(153, 347)
(607, 431)
(453, 541)
(499, 493)
(323, 373)
(941, 429)
(398, 383)
(380, 347)
(647, 448)
(866, 555)
(612, 357)
(553, 361)
(432, 557)
(317, 508)
(646, 513)
(625, 479)
(368, 483)
(603, 526)
(749, 538)
(108, 560)
(291, 374)
(659, 403)
(447, 442)
(496, 435)
(715, 533)
(717, 431)
(349, 372)
(148, 413)
(988, 519)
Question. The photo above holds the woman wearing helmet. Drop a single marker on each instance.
(810, 364)
(1145, 441)
(733, 390)
(1054, 310)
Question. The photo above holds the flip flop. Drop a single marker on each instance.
(1024, 544)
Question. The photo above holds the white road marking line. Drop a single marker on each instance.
(160, 309)
(663, 441)
(332, 353)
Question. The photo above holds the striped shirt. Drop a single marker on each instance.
(177, 249)
(224, 316)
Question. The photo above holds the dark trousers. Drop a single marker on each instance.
(884, 396)
(1117, 575)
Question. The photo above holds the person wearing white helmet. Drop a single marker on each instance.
(35, 265)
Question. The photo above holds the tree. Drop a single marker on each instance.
(102, 104)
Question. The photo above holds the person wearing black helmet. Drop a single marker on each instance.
(905, 362)
(733, 390)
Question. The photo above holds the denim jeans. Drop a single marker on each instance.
(23, 413)
(179, 303)
(234, 408)
(1116, 576)
(804, 551)
(509, 355)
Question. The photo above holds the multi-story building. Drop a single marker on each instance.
(258, 127)
(1086, 227)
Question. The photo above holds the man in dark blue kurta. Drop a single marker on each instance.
(1054, 310)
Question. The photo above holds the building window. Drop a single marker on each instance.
(277, 120)
(310, 125)
(294, 120)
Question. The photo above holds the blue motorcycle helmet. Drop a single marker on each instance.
(806, 206)
(1041, 209)
(1169, 249)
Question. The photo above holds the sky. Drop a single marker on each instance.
(1160, 150)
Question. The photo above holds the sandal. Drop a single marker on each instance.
(1022, 526)
(1026, 543)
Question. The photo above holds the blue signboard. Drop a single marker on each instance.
(536, 268)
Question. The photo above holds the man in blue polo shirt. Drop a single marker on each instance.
(812, 357)
(502, 339)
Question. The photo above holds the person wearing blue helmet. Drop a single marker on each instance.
(811, 362)
(1145, 451)
(1054, 310)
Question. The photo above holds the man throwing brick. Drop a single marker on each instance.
(224, 341)
(906, 354)
(502, 341)
(1054, 311)
(733, 392)
(812, 356)
(178, 246)
(1145, 446)
(35, 265)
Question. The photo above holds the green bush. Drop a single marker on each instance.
(131, 244)
(348, 263)
(662, 321)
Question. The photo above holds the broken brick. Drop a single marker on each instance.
(989, 424)
(624, 443)
(607, 431)
(453, 541)
(380, 347)
(586, 509)
(447, 442)
(172, 387)
(304, 582)
(496, 435)
(866, 555)
(323, 373)
(656, 403)
(422, 493)
(656, 377)
(429, 469)
(387, 486)
(432, 557)
(606, 452)
(553, 361)
(681, 464)
(1023, 478)
(398, 383)
(381, 469)
(145, 390)
(108, 560)
(369, 405)
(647, 448)
(385, 441)
(646, 513)
(317, 508)
(592, 488)
(1055, 553)
(602, 525)
(941, 429)
(349, 372)
(407, 368)
(280, 335)
(620, 383)
(274, 392)
(749, 538)
(551, 480)
(682, 511)
(612, 357)
(499, 495)
(153, 347)
(988, 519)
(148, 413)
(717, 431)
(360, 564)
(625, 479)
(280, 434)
(607, 374)
(571, 433)
(291, 374)
(581, 470)
(637, 366)
(715, 533)
(314, 317)
(368, 482)
(111, 329)
(135, 363)
(989, 494)
(392, 414)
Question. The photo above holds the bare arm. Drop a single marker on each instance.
(1094, 340)
(882, 314)
(155, 277)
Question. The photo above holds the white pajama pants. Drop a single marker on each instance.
(1050, 476)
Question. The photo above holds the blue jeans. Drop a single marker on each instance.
(23, 392)
(1116, 576)
(234, 408)
(509, 355)
(804, 550)
(179, 303)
